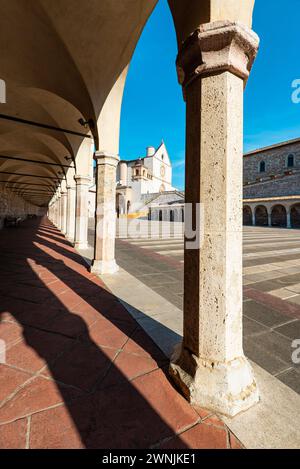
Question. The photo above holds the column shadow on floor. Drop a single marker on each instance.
(80, 343)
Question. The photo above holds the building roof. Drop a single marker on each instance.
(144, 157)
(271, 147)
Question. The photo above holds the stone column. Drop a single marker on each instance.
(253, 217)
(71, 202)
(63, 201)
(269, 219)
(104, 258)
(210, 366)
(56, 211)
(81, 225)
(288, 219)
(59, 211)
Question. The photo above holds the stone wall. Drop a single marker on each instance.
(286, 185)
(275, 159)
(14, 206)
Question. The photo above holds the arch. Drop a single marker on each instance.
(128, 206)
(171, 215)
(247, 216)
(295, 216)
(261, 216)
(160, 215)
(279, 216)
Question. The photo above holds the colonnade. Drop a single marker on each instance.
(216, 51)
(281, 214)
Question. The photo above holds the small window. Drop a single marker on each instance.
(290, 162)
(162, 156)
(262, 167)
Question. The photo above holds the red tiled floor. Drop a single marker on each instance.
(10, 380)
(38, 394)
(102, 381)
(82, 366)
(201, 436)
(130, 366)
(13, 435)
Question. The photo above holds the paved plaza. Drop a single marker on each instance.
(271, 277)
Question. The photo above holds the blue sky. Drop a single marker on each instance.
(153, 108)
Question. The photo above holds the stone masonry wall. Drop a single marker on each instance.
(275, 160)
(12, 205)
(288, 185)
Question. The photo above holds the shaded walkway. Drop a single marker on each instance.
(79, 371)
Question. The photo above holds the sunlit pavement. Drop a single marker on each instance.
(79, 371)
(271, 290)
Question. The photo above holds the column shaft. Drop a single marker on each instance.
(210, 365)
(71, 202)
(105, 222)
(64, 212)
(81, 226)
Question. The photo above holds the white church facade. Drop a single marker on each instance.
(144, 187)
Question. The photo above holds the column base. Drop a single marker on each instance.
(225, 388)
(104, 267)
(70, 238)
(81, 245)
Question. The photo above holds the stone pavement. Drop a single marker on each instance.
(271, 290)
(79, 371)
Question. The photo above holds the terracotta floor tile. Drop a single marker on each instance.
(120, 418)
(38, 394)
(82, 366)
(38, 349)
(61, 431)
(10, 380)
(13, 435)
(234, 442)
(127, 367)
(10, 333)
(165, 400)
(141, 344)
(199, 437)
(106, 334)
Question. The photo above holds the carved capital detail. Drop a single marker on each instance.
(215, 48)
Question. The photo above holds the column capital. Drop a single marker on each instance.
(104, 158)
(215, 48)
(82, 180)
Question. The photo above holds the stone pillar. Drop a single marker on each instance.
(63, 212)
(288, 219)
(59, 211)
(269, 219)
(253, 217)
(104, 258)
(81, 225)
(210, 366)
(71, 202)
(56, 211)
